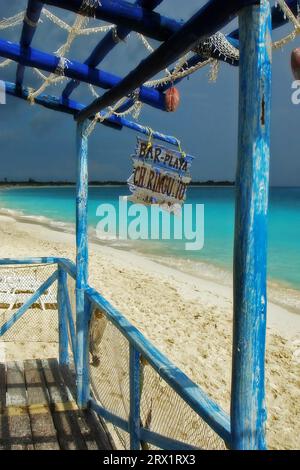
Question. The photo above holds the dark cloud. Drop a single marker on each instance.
(39, 143)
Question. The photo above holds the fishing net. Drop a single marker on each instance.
(210, 52)
(80, 27)
(163, 411)
(40, 322)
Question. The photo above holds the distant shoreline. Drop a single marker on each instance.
(70, 184)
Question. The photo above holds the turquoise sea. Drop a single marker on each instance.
(57, 203)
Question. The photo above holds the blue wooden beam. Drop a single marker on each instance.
(82, 303)
(73, 107)
(126, 15)
(108, 43)
(22, 261)
(147, 436)
(30, 23)
(108, 416)
(50, 63)
(164, 442)
(209, 19)
(248, 412)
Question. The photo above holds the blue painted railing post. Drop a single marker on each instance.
(248, 413)
(134, 417)
(62, 318)
(82, 304)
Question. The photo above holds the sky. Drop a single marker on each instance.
(40, 144)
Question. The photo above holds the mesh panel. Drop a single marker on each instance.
(109, 369)
(163, 411)
(40, 321)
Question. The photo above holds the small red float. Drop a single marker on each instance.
(295, 63)
(172, 99)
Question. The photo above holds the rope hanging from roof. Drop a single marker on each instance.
(293, 19)
(79, 23)
(209, 50)
(12, 21)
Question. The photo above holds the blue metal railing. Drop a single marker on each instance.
(139, 347)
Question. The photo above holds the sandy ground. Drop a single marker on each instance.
(187, 317)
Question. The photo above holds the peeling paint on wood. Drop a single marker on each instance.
(248, 413)
(82, 303)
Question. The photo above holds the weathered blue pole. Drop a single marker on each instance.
(62, 318)
(82, 304)
(248, 412)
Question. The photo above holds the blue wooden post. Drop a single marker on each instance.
(248, 413)
(134, 418)
(62, 318)
(82, 304)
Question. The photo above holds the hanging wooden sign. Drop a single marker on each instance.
(160, 175)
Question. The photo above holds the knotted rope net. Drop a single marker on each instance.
(209, 51)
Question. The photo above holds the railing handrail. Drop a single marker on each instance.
(190, 392)
(197, 399)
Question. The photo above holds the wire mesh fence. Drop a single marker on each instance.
(162, 410)
(40, 322)
(109, 369)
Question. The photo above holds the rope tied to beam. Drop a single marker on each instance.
(53, 78)
(30, 23)
(101, 117)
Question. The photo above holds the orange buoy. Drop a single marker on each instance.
(295, 63)
(172, 99)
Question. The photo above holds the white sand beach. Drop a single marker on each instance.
(187, 316)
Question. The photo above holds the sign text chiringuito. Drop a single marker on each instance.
(160, 175)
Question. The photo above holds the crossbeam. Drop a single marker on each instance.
(108, 43)
(30, 23)
(126, 15)
(50, 63)
(209, 19)
(73, 107)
